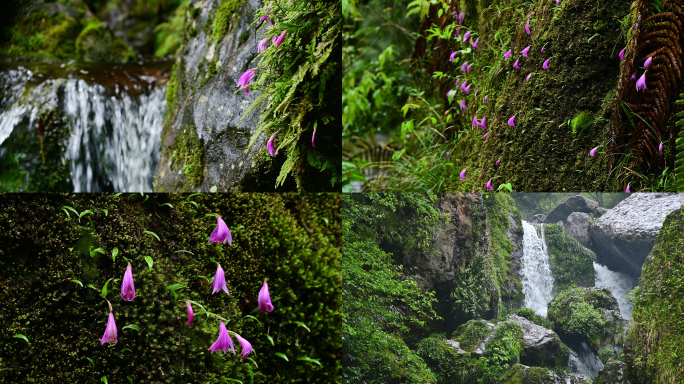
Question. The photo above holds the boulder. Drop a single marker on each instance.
(614, 372)
(625, 235)
(538, 219)
(522, 374)
(577, 203)
(577, 226)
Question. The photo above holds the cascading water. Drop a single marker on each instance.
(537, 279)
(111, 121)
(619, 285)
(584, 361)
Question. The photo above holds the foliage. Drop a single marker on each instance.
(475, 295)
(606, 354)
(532, 316)
(658, 325)
(576, 314)
(502, 352)
(679, 143)
(299, 81)
(48, 278)
(474, 333)
(572, 265)
(448, 365)
(168, 34)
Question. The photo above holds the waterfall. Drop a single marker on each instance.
(619, 285)
(537, 278)
(112, 121)
(584, 362)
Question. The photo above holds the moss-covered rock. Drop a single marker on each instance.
(58, 251)
(571, 264)
(446, 362)
(657, 345)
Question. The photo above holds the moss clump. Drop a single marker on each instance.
(532, 316)
(187, 156)
(448, 365)
(291, 240)
(571, 264)
(576, 315)
(474, 333)
(172, 89)
(658, 326)
(222, 18)
(580, 122)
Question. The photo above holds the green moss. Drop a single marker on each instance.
(576, 315)
(532, 316)
(448, 365)
(222, 18)
(172, 89)
(658, 326)
(187, 155)
(571, 264)
(475, 332)
(580, 122)
(243, 38)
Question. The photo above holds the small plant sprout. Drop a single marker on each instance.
(223, 342)
(264, 299)
(221, 234)
(219, 282)
(110, 335)
(127, 288)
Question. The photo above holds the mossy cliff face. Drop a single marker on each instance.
(49, 260)
(571, 264)
(656, 339)
(562, 112)
(205, 140)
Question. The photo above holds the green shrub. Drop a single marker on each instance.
(530, 315)
(475, 332)
(502, 352)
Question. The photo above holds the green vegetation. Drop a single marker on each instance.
(530, 204)
(225, 12)
(576, 314)
(168, 34)
(53, 274)
(472, 333)
(532, 316)
(475, 294)
(188, 156)
(447, 364)
(502, 352)
(571, 264)
(658, 325)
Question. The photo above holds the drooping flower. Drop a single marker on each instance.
(110, 335)
(622, 54)
(482, 123)
(641, 83)
(281, 38)
(527, 28)
(246, 346)
(468, 70)
(270, 147)
(558, 2)
(474, 44)
(648, 62)
(475, 123)
(462, 174)
(511, 121)
(191, 314)
(466, 35)
(526, 51)
(448, 154)
(452, 57)
(456, 83)
(461, 16)
(267, 19)
(264, 299)
(223, 342)
(221, 234)
(507, 54)
(592, 153)
(546, 64)
(245, 79)
(467, 90)
(262, 44)
(464, 66)
(515, 65)
(542, 50)
(485, 136)
(634, 75)
(489, 185)
(219, 282)
(528, 77)
(660, 148)
(497, 163)
(627, 189)
(127, 288)
(463, 85)
(463, 104)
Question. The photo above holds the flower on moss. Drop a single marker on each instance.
(461, 16)
(313, 138)
(191, 314)
(515, 65)
(245, 79)
(648, 62)
(484, 100)
(497, 163)
(264, 299)
(463, 104)
(127, 288)
(452, 57)
(482, 123)
(466, 36)
(223, 342)
(456, 83)
(467, 90)
(219, 282)
(660, 148)
(527, 28)
(468, 70)
(528, 78)
(507, 54)
(622, 54)
(485, 136)
(511, 121)
(221, 233)
(474, 44)
(270, 147)
(592, 153)
(475, 123)
(546, 64)
(246, 346)
(462, 175)
(526, 51)
(627, 189)
(641, 83)
(280, 39)
(110, 335)
(634, 75)
(542, 50)
(464, 66)
(489, 185)
(448, 154)
(262, 44)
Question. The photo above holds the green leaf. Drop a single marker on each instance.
(310, 360)
(253, 362)
(250, 317)
(115, 252)
(281, 355)
(183, 250)
(149, 260)
(131, 326)
(76, 281)
(104, 378)
(106, 212)
(20, 336)
(236, 380)
(169, 204)
(104, 289)
(152, 234)
(299, 323)
(91, 361)
(86, 212)
(270, 339)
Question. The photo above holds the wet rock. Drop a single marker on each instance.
(541, 345)
(614, 372)
(577, 226)
(577, 203)
(625, 234)
(538, 218)
(522, 374)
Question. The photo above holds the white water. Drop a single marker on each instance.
(537, 279)
(619, 285)
(114, 138)
(584, 362)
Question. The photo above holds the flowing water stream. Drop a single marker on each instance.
(619, 285)
(537, 279)
(81, 128)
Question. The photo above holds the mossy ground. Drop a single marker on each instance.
(571, 264)
(48, 262)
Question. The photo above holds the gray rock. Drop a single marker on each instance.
(614, 372)
(600, 211)
(577, 226)
(455, 345)
(625, 235)
(522, 374)
(577, 203)
(538, 218)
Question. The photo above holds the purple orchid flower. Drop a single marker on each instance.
(592, 153)
(270, 147)
(461, 16)
(264, 299)
(627, 189)
(110, 335)
(482, 123)
(280, 39)
(641, 83)
(634, 75)
(462, 175)
(468, 70)
(467, 90)
(558, 2)
(497, 163)
(313, 138)
(245, 79)
(515, 65)
(246, 346)
(660, 148)
(466, 36)
(223, 342)
(464, 66)
(127, 288)
(485, 136)
(191, 314)
(451, 93)
(448, 154)
(546, 64)
(475, 44)
(463, 85)
(262, 44)
(219, 282)
(456, 83)
(526, 51)
(463, 104)
(622, 54)
(475, 123)
(489, 185)
(452, 57)
(527, 28)
(648, 62)
(528, 78)
(511, 121)
(484, 100)
(507, 54)
(542, 50)
(221, 234)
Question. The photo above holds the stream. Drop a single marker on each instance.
(80, 127)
